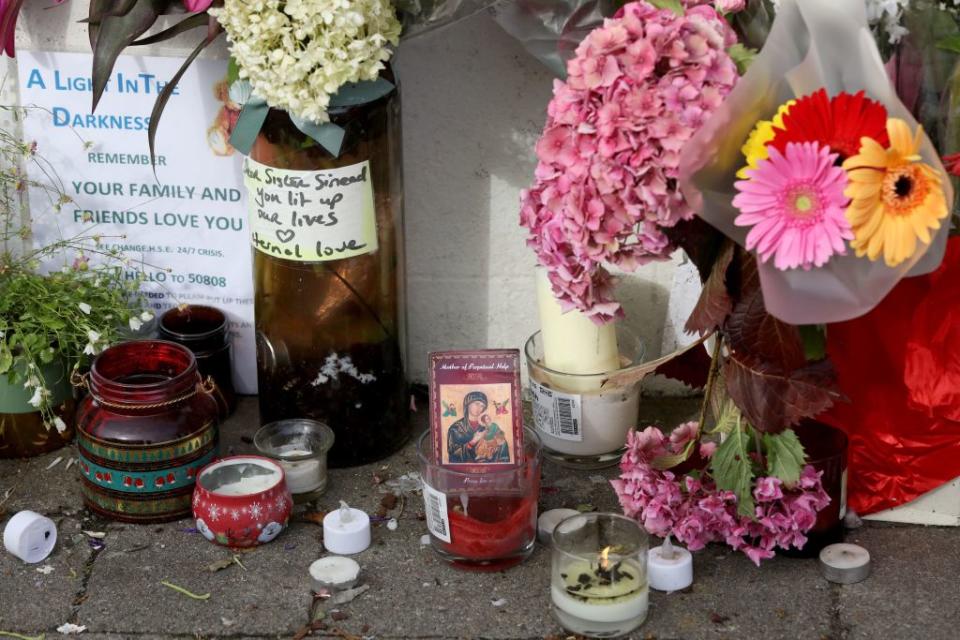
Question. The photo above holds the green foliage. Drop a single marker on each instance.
(743, 56)
(732, 469)
(785, 456)
(814, 338)
(672, 5)
(71, 313)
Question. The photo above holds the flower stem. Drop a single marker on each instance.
(189, 594)
(711, 378)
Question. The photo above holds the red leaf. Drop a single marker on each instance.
(750, 329)
(692, 367)
(715, 303)
(773, 398)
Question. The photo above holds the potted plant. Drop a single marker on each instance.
(52, 320)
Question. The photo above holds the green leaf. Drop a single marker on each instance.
(672, 5)
(167, 91)
(192, 21)
(950, 43)
(668, 462)
(115, 34)
(743, 56)
(233, 71)
(785, 456)
(814, 338)
(728, 419)
(6, 360)
(733, 471)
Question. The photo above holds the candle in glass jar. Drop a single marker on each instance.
(608, 591)
(303, 476)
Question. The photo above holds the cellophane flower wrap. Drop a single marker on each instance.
(813, 45)
(694, 510)
(605, 186)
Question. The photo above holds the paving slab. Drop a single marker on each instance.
(912, 591)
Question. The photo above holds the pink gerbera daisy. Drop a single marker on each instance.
(795, 204)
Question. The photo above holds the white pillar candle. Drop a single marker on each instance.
(669, 567)
(334, 573)
(346, 530)
(845, 563)
(572, 342)
(549, 520)
(30, 536)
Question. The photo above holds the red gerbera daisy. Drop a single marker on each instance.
(838, 123)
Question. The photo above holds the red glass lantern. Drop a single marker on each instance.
(147, 427)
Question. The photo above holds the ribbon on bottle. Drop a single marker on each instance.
(328, 135)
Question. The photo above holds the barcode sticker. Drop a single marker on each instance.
(438, 523)
(557, 414)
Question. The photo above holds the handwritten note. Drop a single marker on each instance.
(311, 216)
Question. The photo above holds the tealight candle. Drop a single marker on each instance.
(599, 577)
(346, 530)
(334, 573)
(845, 563)
(549, 520)
(669, 568)
(300, 446)
(30, 536)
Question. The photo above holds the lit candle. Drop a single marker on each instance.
(572, 342)
(669, 568)
(346, 530)
(603, 594)
(334, 573)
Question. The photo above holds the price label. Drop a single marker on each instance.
(438, 521)
(557, 414)
(311, 216)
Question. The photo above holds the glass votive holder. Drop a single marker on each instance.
(483, 520)
(300, 446)
(205, 331)
(584, 419)
(598, 581)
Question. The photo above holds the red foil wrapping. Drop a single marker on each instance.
(899, 366)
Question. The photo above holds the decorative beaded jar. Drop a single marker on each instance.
(148, 425)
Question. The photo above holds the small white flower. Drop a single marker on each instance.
(59, 424)
(90, 349)
(84, 307)
(93, 336)
(37, 397)
(135, 324)
(146, 316)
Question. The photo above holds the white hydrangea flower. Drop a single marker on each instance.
(297, 53)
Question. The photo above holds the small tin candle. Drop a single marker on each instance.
(599, 575)
(300, 446)
(241, 501)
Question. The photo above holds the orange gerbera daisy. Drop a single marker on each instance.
(895, 198)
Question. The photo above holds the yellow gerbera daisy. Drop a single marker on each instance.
(895, 198)
(755, 148)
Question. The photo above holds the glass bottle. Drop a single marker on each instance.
(331, 333)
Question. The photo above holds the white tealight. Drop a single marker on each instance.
(549, 520)
(669, 568)
(303, 476)
(30, 536)
(346, 530)
(248, 485)
(845, 563)
(334, 573)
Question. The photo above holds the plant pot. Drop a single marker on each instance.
(22, 432)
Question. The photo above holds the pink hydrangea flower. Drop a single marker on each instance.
(605, 186)
(696, 512)
(795, 206)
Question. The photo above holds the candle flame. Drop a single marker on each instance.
(604, 559)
